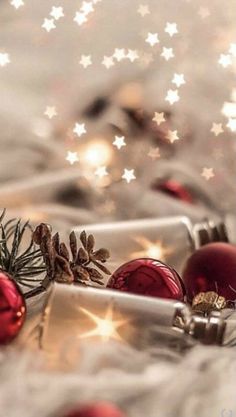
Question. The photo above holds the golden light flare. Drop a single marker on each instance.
(106, 328)
(97, 153)
(155, 250)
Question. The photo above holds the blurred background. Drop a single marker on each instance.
(115, 110)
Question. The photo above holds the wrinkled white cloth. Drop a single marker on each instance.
(37, 183)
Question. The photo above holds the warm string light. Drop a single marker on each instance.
(106, 327)
(155, 250)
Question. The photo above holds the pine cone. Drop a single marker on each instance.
(62, 267)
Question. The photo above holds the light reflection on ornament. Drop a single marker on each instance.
(229, 109)
(154, 250)
(97, 153)
(106, 327)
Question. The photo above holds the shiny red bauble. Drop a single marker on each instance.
(100, 409)
(148, 277)
(212, 268)
(12, 309)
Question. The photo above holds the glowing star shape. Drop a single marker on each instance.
(85, 60)
(171, 29)
(119, 54)
(217, 128)
(232, 49)
(203, 12)
(119, 142)
(154, 153)
(152, 39)
(225, 60)
(159, 118)
(50, 112)
(57, 12)
(167, 53)
(154, 250)
(128, 175)
(207, 173)
(79, 129)
(232, 124)
(72, 157)
(172, 135)
(101, 172)
(48, 24)
(80, 18)
(143, 10)
(17, 3)
(178, 80)
(132, 55)
(172, 96)
(4, 59)
(87, 7)
(146, 59)
(106, 327)
(218, 154)
(108, 62)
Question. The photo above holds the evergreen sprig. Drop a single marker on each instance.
(22, 266)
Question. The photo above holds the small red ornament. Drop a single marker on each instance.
(100, 409)
(148, 277)
(12, 309)
(174, 189)
(212, 268)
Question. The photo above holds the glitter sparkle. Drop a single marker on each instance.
(119, 142)
(79, 129)
(172, 96)
(159, 118)
(207, 173)
(152, 39)
(128, 175)
(72, 157)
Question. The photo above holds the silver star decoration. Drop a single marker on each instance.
(207, 173)
(232, 49)
(172, 135)
(108, 62)
(132, 55)
(143, 10)
(17, 3)
(172, 96)
(232, 124)
(217, 128)
(178, 80)
(101, 172)
(152, 39)
(79, 129)
(48, 25)
(57, 12)
(50, 112)
(159, 118)
(128, 175)
(80, 18)
(119, 142)
(119, 54)
(85, 60)
(154, 153)
(4, 59)
(87, 7)
(171, 29)
(72, 157)
(167, 53)
(225, 60)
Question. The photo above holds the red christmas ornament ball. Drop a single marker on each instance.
(148, 277)
(101, 409)
(212, 268)
(12, 309)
